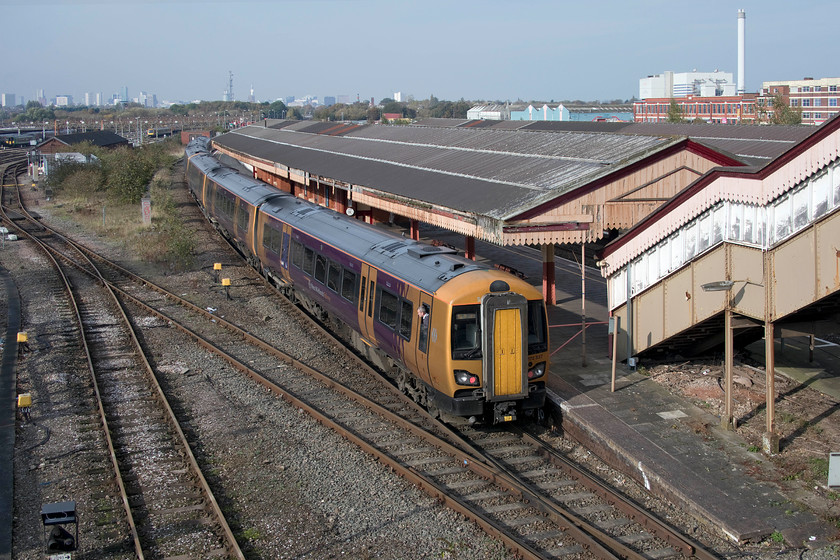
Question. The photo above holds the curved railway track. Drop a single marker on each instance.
(169, 507)
(513, 485)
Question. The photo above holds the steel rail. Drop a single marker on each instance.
(232, 544)
(480, 463)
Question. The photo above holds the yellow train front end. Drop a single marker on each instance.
(489, 352)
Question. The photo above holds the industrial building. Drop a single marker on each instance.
(683, 84)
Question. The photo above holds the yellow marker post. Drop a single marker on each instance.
(22, 344)
(217, 267)
(226, 284)
(24, 403)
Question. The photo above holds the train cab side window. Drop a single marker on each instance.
(348, 285)
(423, 333)
(297, 254)
(333, 276)
(406, 318)
(388, 309)
(320, 269)
(308, 260)
(537, 331)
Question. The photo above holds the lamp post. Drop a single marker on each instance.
(770, 439)
(726, 419)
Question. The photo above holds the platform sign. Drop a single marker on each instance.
(834, 470)
(146, 205)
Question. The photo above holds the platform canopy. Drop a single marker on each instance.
(503, 184)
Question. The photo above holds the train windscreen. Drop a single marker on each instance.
(466, 332)
(537, 331)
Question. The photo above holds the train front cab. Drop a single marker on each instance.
(493, 358)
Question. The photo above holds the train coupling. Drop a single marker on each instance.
(504, 412)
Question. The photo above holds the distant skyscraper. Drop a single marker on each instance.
(124, 97)
(329, 100)
(251, 96)
(42, 99)
(398, 96)
(63, 100)
(7, 99)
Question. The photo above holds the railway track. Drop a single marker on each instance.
(514, 486)
(168, 506)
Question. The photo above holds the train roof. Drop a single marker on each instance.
(248, 189)
(426, 266)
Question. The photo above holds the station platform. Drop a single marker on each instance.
(641, 428)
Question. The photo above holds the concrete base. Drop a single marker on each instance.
(770, 443)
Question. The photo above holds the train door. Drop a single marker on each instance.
(367, 300)
(424, 336)
(504, 319)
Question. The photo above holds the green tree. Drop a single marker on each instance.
(674, 113)
(784, 113)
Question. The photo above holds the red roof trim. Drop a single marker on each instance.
(685, 144)
(821, 132)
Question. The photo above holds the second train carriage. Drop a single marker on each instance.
(458, 336)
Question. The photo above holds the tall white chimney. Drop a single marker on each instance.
(742, 23)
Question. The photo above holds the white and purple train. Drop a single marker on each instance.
(459, 337)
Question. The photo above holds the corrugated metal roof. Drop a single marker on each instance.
(752, 144)
(486, 172)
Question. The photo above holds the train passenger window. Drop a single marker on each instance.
(333, 276)
(271, 239)
(242, 218)
(388, 309)
(362, 296)
(320, 269)
(537, 332)
(297, 254)
(308, 260)
(348, 285)
(370, 298)
(406, 317)
(466, 332)
(224, 205)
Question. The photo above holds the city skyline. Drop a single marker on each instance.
(183, 50)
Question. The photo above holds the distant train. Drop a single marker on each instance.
(459, 337)
(162, 132)
(19, 140)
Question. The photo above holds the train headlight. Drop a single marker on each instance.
(537, 371)
(466, 378)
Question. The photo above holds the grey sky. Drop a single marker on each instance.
(492, 50)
